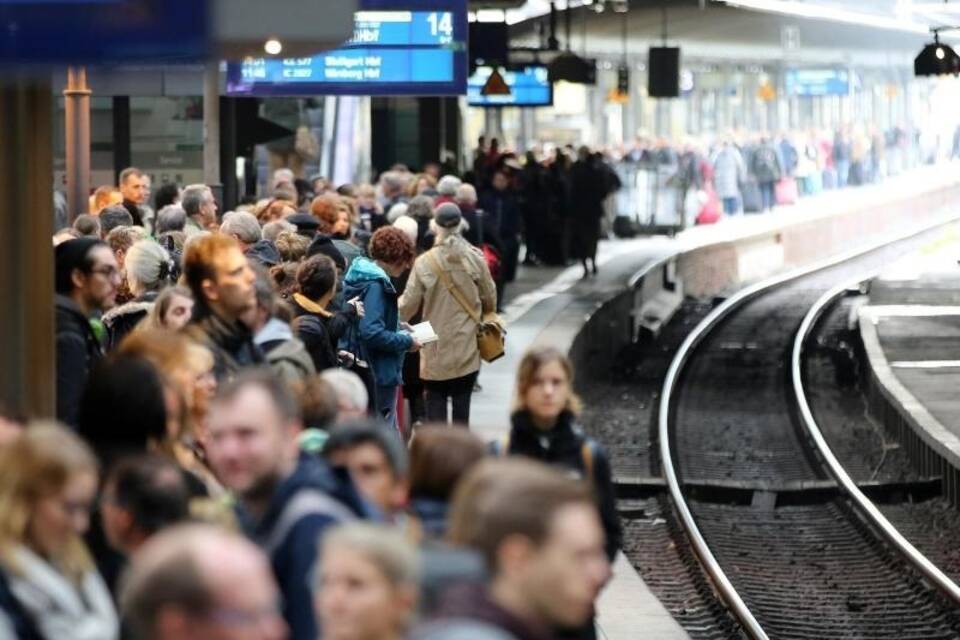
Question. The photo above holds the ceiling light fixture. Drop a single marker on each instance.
(273, 46)
(937, 59)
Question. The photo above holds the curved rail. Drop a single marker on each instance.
(721, 582)
(866, 506)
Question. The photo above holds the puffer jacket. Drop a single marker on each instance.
(455, 354)
(378, 338)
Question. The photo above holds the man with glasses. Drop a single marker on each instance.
(198, 582)
(87, 278)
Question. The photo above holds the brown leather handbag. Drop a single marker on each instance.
(491, 332)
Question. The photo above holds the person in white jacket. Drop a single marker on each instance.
(49, 586)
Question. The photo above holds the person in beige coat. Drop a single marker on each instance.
(449, 366)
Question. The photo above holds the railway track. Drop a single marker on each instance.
(789, 543)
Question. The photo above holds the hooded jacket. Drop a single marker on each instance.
(563, 447)
(78, 351)
(378, 339)
(312, 498)
(120, 321)
(286, 355)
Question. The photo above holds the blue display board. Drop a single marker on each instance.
(817, 82)
(529, 87)
(417, 49)
(90, 31)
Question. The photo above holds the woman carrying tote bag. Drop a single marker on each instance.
(443, 282)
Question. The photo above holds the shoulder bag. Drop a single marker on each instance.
(490, 329)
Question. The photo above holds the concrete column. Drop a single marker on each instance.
(211, 126)
(77, 112)
(27, 355)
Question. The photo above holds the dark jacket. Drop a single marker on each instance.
(482, 228)
(467, 611)
(563, 447)
(135, 212)
(78, 351)
(120, 321)
(312, 498)
(231, 343)
(264, 252)
(503, 208)
(432, 516)
(381, 343)
(321, 334)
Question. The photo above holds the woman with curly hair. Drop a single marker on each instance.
(378, 338)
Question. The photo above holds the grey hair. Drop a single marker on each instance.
(349, 387)
(466, 192)
(448, 185)
(148, 266)
(171, 218)
(273, 229)
(397, 210)
(420, 208)
(387, 548)
(194, 197)
(243, 225)
(392, 181)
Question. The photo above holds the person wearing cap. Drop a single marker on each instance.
(450, 365)
(87, 278)
(305, 223)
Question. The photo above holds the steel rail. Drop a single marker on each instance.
(889, 532)
(708, 561)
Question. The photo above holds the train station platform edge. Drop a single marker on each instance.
(911, 336)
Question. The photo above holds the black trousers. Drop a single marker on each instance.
(457, 392)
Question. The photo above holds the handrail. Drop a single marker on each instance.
(709, 562)
(880, 522)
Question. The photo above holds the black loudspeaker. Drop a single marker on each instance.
(663, 72)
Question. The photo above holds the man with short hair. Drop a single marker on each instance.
(541, 539)
(133, 187)
(201, 209)
(377, 461)
(112, 217)
(199, 582)
(222, 283)
(86, 282)
(141, 495)
(285, 501)
(246, 229)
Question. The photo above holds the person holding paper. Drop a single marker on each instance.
(443, 280)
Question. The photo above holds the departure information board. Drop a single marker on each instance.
(529, 87)
(817, 82)
(91, 31)
(420, 49)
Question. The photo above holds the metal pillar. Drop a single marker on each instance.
(27, 356)
(211, 129)
(77, 110)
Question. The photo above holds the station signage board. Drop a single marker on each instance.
(817, 82)
(91, 31)
(529, 87)
(411, 47)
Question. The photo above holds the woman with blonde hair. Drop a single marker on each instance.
(544, 427)
(367, 583)
(49, 586)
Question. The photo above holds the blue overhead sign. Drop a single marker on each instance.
(817, 82)
(529, 87)
(418, 49)
(90, 31)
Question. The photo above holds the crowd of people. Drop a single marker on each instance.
(228, 390)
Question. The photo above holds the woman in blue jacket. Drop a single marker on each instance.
(378, 338)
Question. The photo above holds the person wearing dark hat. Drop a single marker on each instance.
(449, 366)
(306, 224)
(87, 278)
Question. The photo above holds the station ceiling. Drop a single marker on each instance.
(864, 33)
